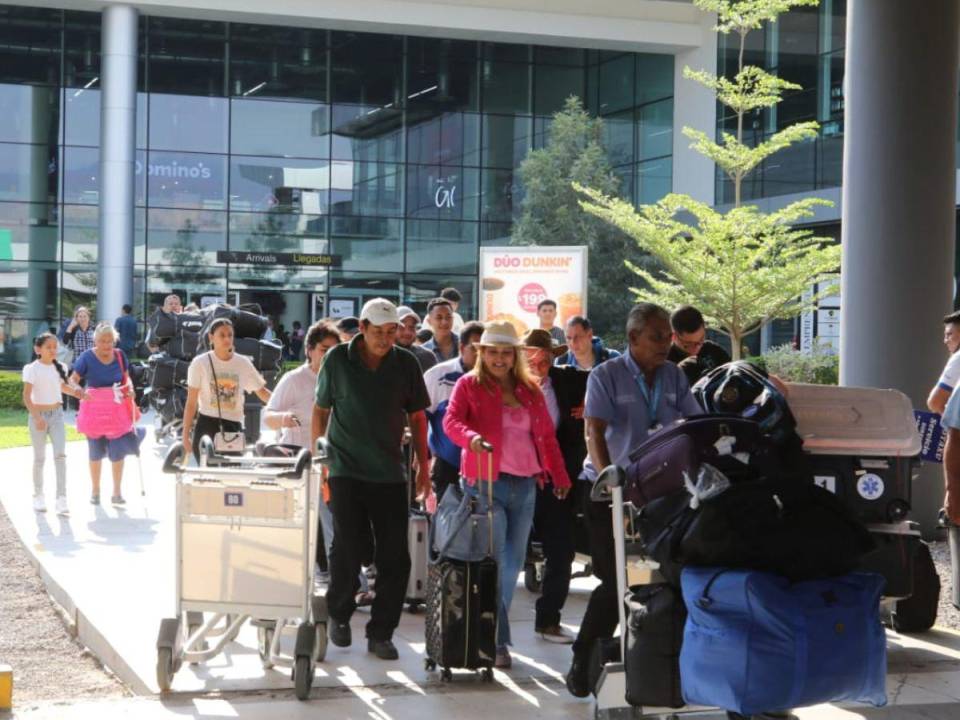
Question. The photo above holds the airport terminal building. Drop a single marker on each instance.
(309, 155)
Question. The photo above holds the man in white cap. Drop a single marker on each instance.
(407, 335)
(366, 390)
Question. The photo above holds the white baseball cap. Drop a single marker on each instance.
(379, 311)
(404, 311)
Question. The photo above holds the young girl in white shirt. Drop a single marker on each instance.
(44, 384)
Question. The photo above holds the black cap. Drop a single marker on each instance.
(348, 324)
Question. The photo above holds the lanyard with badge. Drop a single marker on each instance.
(652, 399)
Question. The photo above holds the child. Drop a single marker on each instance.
(44, 381)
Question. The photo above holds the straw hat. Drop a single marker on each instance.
(538, 339)
(499, 333)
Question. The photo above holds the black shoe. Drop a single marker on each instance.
(383, 649)
(578, 677)
(340, 634)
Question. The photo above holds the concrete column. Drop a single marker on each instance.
(118, 132)
(898, 201)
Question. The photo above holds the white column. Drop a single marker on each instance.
(899, 216)
(118, 124)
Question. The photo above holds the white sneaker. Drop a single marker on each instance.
(39, 504)
(62, 508)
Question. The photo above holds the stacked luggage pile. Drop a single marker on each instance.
(181, 337)
(777, 529)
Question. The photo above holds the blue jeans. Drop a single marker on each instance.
(514, 501)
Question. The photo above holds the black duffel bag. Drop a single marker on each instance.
(161, 326)
(168, 372)
(655, 618)
(247, 321)
(789, 527)
(265, 354)
(192, 322)
(184, 345)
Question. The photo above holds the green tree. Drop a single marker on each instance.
(551, 212)
(742, 268)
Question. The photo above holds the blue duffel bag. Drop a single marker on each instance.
(754, 642)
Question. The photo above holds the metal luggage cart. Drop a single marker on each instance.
(611, 688)
(246, 534)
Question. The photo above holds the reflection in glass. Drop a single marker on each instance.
(188, 123)
(367, 132)
(451, 138)
(82, 116)
(506, 139)
(616, 84)
(186, 180)
(283, 128)
(367, 243)
(554, 84)
(192, 284)
(16, 296)
(186, 56)
(654, 180)
(81, 176)
(618, 137)
(506, 86)
(655, 130)
(30, 113)
(28, 231)
(189, 238)
(290, 231)
(28, 173)
(267, 61)
(654, 77)
(30, 45)
(501, 196)
(298, 186)
(367, 69)
(441, 246)
(441, 76)
(366, 188)
(81, 233)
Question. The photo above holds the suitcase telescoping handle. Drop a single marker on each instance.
(488, 451)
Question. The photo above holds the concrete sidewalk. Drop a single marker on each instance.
(113, 571)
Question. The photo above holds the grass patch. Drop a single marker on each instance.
(14, 432)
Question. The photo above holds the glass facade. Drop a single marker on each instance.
(399, 154)
(804, 46)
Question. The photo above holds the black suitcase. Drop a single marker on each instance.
(183, 345)
(655, 618)
(461, 615)
(265, 354)
(877, 490)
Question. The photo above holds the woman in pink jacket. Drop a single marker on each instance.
(500, 403)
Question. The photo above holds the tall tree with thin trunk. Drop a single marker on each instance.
(742, 268)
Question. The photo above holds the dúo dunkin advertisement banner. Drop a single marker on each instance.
(514, 280)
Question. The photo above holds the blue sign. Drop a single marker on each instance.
(233, 499)
(932, 435)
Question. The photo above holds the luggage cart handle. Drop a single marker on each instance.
(322, 450)
(610, 477)
(173, 459)
(303, 461)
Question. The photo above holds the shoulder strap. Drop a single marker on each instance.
(123, 367)
(216, 389)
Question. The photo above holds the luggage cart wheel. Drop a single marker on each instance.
(320, 644)
(487, 675)
(531, 579)
(429, 665)
(303, 676)
(165, 669)
(446, 675)
(264, 641)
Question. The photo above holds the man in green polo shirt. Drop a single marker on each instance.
(364, 390)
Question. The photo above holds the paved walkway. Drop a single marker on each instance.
(113, 571)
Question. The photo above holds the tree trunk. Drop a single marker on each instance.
(736, 343)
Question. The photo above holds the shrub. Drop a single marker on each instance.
(820, 366)
(11, 390)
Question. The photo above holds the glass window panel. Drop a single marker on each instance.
(82, 117)
(441, 246)
(18, 333)
(186, 56)
(501, 196)
(29, 231)
(554, 84)
(275, 282)
(654, 180)
(560, 56)
(367, 243)
(451, 138)
(441, 76)
(616, 84)
(790, 170)
(625, 181)
(191, 283)
(299, 186)
(366, 188)
(420, 289)
(495, 233)
(506, 140)
(299, 232)
(286, 129)
(367, 68)
(79, 287)
(838, 23)
(81, 233)
(831, 161)
(618, 137)
(267, 61)
(28, 173)
(187, 180)
(185, 237)
(654, 77)
(30, 45)
(655, 130)
(82, 45)
(506, 52)
(188, 123)
(28, 290)
(358, 287)
(541, 131)
(364, 132)
(506, 86)
(30, 114)
(442, 192)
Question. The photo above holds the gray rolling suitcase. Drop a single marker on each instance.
(417, 534)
